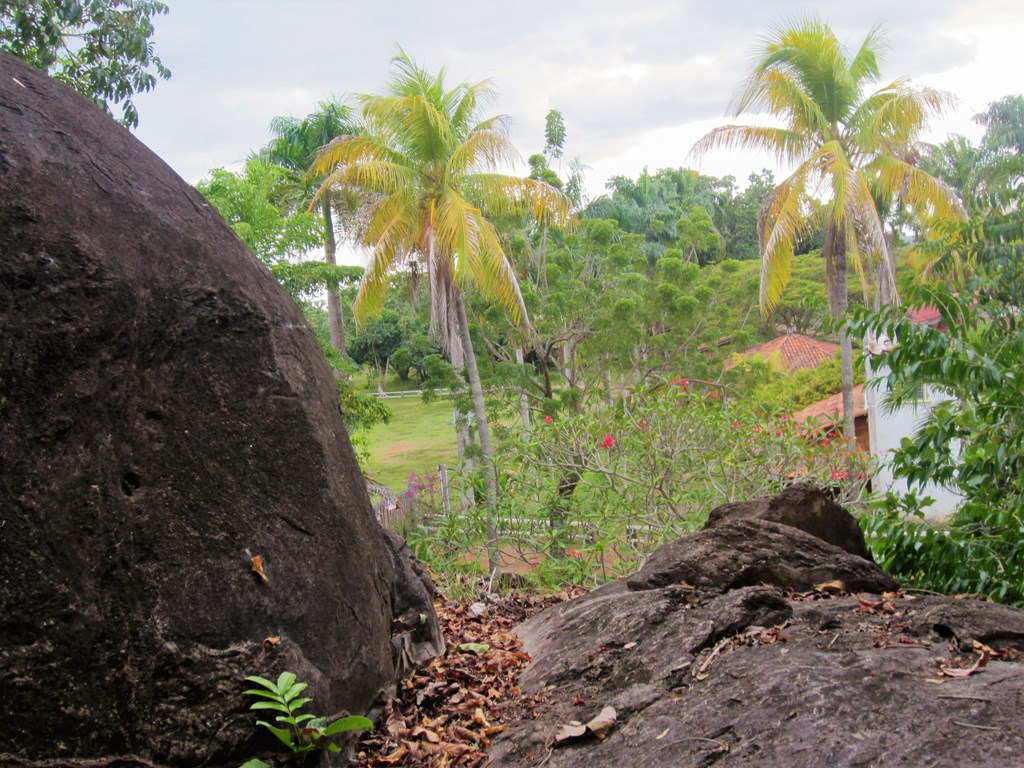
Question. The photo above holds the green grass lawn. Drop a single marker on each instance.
(419, 437)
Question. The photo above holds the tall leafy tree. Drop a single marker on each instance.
(737, 212)
(699, 239)
(294, 147)
(101, 48)
(850, 146)
(554, 135)
(956, 162)
(427, 166)
(653, 204)
(1002, 146)
(251, 202)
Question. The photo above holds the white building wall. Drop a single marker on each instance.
(887, 430)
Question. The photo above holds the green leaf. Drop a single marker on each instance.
(270, 705)
(350, 723)
(285, 737)
(284, 682)
(261, 681)
(294, 691)
(478, 648)
(254, 763)
(265, 694)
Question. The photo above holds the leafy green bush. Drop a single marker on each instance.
(977, 552)
(974, 442)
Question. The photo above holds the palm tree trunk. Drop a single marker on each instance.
(835, 277)
(335, 318)
(463, 438)
(484, 433)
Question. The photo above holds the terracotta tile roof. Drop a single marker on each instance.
(796, 351)
(927, 314)
(832, 405)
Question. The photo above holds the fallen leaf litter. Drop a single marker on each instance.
(446, 714)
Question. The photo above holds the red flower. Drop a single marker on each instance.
(548, 419)
(578, 554)
(826, 444)
(778, 432)
(713, 394)
(756, 428)
(607, 441)
(735, 425)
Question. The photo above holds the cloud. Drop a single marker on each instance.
(623, 74)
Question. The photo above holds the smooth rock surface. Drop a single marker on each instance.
(165, 416)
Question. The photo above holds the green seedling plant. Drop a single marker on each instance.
(299, 732)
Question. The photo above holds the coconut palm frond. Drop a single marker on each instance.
(503, 195)
(483, 150)
(785, 145)
(781, 221)
(779, 93)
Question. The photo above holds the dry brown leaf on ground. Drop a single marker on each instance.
(598, 727)
(834, 587)
(949, 667)
(875, 606)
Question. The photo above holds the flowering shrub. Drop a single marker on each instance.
(589, 494)
(679, 452)
(424, 494)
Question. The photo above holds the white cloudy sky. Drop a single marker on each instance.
(638, 81)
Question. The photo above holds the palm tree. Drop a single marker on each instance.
(849, 146)
(957, 163)
(294, 147)
(426, 167)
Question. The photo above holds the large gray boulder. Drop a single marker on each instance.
(165, 417)
(718, 652)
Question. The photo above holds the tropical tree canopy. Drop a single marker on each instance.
(251, 201)
(850, 148)
(101, 48)
(294, 146)
(427, 167)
